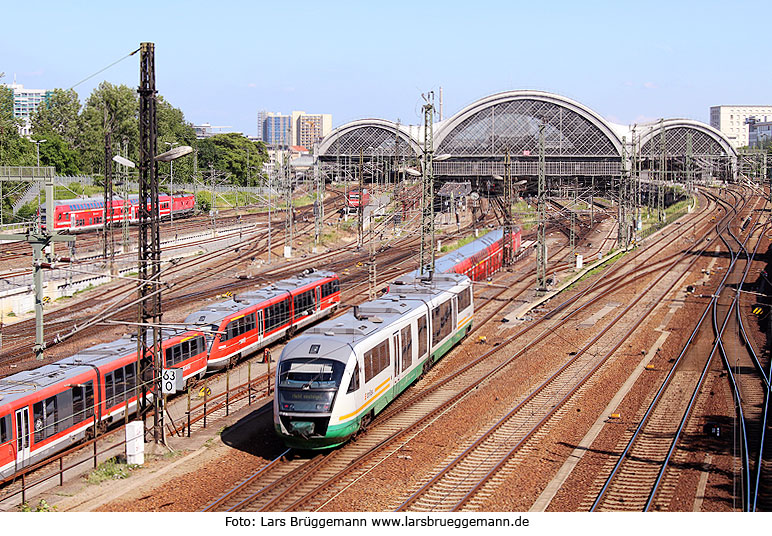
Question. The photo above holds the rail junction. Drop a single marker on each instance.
(633, 374)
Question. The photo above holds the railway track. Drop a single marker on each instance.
(643, 476)
(419, 406)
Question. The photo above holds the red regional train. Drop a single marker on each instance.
(43, 411)
(85, 214)
(354, 200)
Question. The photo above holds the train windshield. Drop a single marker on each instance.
(309, 385)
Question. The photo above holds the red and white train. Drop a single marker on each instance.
(43, 411)
(481, 258)
(89, 213)
(354, 200)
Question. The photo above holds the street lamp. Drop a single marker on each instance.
(37, 148)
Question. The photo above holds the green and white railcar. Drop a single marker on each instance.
(332, 381)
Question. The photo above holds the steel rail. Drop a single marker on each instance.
(413, 498)
(658, 395)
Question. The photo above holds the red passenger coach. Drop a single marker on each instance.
(480, 259)
(89, 213)
(44, 411)
(355, 200)
(255, 319)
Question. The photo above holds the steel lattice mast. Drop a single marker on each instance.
(508, 256)
(109, 244)
(541, 209)
(426, 259)
(149, 247)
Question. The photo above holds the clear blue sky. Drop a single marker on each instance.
(221, 62)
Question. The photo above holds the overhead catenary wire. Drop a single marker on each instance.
(103, 69)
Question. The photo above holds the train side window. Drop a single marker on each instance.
(38, 421)
(45, 415)
(120, 386)
(5, 428)
(89, 399)
(442, 316)
(109, 388)
(64, 404)
(52, 417)
(354, 383)
(407, 347)
(464, 299)
(131, 378)
(376, 360)
(422, 336)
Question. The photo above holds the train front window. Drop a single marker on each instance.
(309, 385)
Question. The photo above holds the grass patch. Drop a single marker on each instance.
(42, 506)
(110, 469)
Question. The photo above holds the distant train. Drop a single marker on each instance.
(43, 411)
(479, 259)
(89, 213)
(334, 379)
(355, 200)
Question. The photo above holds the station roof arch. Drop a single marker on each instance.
(370, 136)
(510, 121)
(706, 141)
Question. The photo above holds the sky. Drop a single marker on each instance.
(222, 62)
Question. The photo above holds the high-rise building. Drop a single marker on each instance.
(298, 128)
(759, 133)
(25, 102)
(733, 120)
(274, 129)
(310, 128)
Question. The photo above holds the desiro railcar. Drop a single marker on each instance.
(252, 320)
(43, 411)
(332, 380)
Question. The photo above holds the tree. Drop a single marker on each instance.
(58, 153)
(14, 149)
(61, 115)
(229, 153)
(122, 107)
(173, 129)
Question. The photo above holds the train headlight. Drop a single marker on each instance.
(288, 407)
(323, 407)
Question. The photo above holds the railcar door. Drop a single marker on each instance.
(397, 361)
(260, 330)
(22, 437)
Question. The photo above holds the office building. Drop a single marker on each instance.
(298, 128)
(733, 121)
(310, 128)
(25, 102)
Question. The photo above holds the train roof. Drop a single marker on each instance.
(448, 261)
(23, 383)
(213, 314)
(405, 295)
